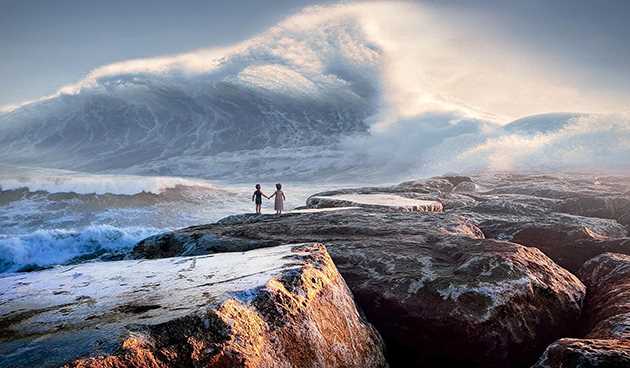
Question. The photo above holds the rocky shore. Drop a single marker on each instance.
(285, 306)
(497, 270)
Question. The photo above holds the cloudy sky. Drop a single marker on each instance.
(48, 44)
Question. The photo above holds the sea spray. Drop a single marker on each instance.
(57, 246)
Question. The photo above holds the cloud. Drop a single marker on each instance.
(593, 142)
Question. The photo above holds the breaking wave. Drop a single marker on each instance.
(333, 92)
(433, 144)
(50, 217)
(61, 181)
(587, 142)
(43, 248)
(381, 91)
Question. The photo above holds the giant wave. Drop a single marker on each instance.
(370, 90)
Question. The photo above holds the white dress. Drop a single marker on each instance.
(279, 205)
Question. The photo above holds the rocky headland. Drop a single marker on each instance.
(500, 270)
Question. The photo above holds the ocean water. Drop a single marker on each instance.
(50, 217)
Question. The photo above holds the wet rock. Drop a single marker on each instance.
(435, 185)
(607, 314)
(272, 307)
(436, 290)
(376, 200)
(400, 263)
(502, 216)
(570, 245)
(321, 226)
(586, 353)
(465, 187)
(610, 207)
(193, 243)
(460, 301)
(608, 304)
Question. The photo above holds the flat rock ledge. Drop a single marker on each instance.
(607, 314)
(385, 201)
(284, 306)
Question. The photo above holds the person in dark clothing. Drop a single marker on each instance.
(257, 198)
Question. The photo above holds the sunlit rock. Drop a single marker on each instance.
(273, 307)
(434, 288)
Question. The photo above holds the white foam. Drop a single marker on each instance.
(55, 246)
(317, 210)
(422, 69)
(387, 200)
(58, 181)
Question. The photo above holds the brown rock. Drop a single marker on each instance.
(607, 315)
(438, 293)
(610, 207)
(569, 245)
(608, 303)
(284, 306)
(586, 353)
(459, 301)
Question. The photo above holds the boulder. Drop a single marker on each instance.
(436, 290)
(606, 341)
(285, 306)
(610, 207)
(569, 245)
(608, 303)
(586, 353)
(457, 301)
(466, 187)
(502, 216)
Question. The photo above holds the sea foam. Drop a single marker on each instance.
(57, 246)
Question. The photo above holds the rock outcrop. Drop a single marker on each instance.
(616, 207)
(435, 289)
(607, 319)
(570, 246)
(285, 306)
(435, 265)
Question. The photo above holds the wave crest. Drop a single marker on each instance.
(43, 248)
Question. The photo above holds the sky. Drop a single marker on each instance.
(49, 44)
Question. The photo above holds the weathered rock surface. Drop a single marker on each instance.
(586, 353)
(285, 306)
(614, 207)
(607, 315)
(375, 200)
(534, 210)
(608, 303)
(436, 290)
(570, 246)
(241, 232)
(447, 288)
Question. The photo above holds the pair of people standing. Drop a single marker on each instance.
(279, 202)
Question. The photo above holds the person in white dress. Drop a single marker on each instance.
(280, 197)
